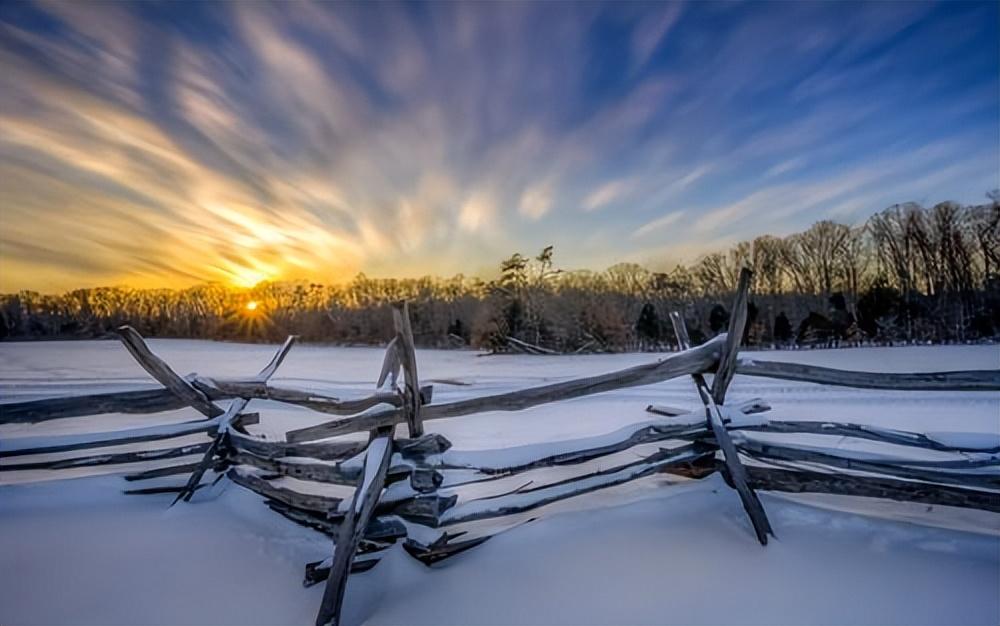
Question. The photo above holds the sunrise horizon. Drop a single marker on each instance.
(249, 280)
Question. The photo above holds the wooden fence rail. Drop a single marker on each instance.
(216, 389)
(437, 501)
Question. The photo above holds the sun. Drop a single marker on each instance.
(251, 318)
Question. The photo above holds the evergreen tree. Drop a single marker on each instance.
(782, 329)
(718, 318)
(647, 327)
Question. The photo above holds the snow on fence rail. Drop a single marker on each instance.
(437, 501)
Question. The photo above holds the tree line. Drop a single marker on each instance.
(908, 274)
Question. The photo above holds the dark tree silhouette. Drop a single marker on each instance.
(648, 325)
(782, 329)
(718, 318)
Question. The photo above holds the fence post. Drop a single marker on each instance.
(713, 397)
(162, 372)
(734, 337)
(356, 519)
(408, 358)
(235, 408)
(399, 353)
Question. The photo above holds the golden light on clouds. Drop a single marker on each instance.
(253, 142)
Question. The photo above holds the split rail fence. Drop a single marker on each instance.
(437, 502)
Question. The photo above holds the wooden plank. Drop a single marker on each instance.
(21, 446)
(216, 388)
(737, 475)
(442, 548)
(163, 374)
(862, 431)
(734, 337)
(967, 380)
(420, 509)
(352, 527)
(680, 331)
(422, 447)
(748, 407)
(804, 481)
(890, 468)
(408, 359)
(158, 400)
(160, 472)
(328, 451)
(272, 366)
(390, 365)
(115, 458)
(586, 448)
(524, 500)
(125, 402)
(234, 409)
(317, 472)
(683, 363)
(528, 348)
(320, 570)
(379, 528)
(309, 502)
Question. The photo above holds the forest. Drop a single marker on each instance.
(908, 274)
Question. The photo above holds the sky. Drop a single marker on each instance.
(168, 144)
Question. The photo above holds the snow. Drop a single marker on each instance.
(652, 551)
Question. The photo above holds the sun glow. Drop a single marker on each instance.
(249, 276)
(251, 319)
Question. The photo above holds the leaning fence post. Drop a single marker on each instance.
(356, 519)
(390, 365)
(734, 337)
(711, 398)
(398, 353)
(235, 408)
(162, 372)
(408, 359)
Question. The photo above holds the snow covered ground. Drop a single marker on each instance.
(79, 552)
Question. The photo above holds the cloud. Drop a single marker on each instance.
(476, 213)
(536, 201)
(874, 183)
(651, 32)
(607, 193)
(784, 167)
(314, 141)
(658, 224)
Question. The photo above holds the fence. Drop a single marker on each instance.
(438, 502)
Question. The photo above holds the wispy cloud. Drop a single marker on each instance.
(658, 224)
(155, 145)
(608, 193)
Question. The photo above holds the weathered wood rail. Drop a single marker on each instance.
(437, 501)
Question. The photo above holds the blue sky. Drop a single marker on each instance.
(172, 143)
